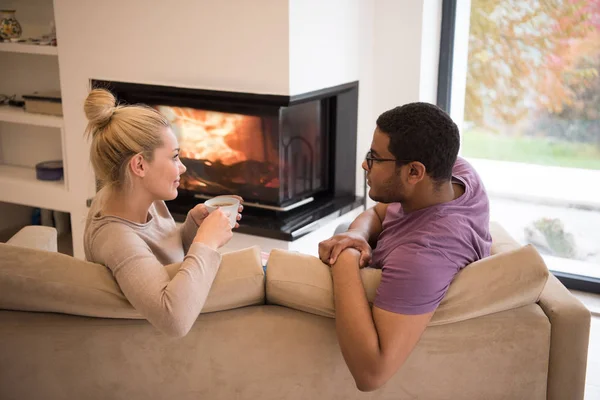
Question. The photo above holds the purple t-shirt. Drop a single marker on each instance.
(421, 252)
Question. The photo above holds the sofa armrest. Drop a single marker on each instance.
(570, 333)
(35, 237)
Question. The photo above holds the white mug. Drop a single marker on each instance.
(227, 204)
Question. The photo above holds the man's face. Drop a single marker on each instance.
(383, 176)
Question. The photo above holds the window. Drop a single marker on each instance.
(522, 79)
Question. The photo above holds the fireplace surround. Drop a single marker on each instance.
(292, 158)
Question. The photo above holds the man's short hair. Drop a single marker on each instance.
(422, 132)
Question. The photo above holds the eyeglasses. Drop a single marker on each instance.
(369, 159)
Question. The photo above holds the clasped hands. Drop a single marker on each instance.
(330, 249)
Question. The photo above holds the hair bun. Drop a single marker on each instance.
(99, 107)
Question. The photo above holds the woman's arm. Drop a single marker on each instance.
(171, 305)
(188, 231)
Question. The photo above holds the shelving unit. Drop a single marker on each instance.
(29, 138)
(29, 48)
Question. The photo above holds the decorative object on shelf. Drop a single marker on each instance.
(44, 103)
(11, 100)
(10, 28)
(49, 170)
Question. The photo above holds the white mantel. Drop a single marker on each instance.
(283, 47)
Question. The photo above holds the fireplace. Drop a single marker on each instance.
(292, 158)
(274, 158)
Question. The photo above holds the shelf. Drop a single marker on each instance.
(19, 185)
(29, 48)
(20, 116)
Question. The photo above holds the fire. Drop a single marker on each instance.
(208, 135)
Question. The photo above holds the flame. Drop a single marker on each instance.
(202, 134)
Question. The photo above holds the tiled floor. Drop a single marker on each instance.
(592, 384)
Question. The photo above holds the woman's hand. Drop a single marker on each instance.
(240, 209)
(215, 230)
(200, 212)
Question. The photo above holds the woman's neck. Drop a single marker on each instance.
(132, 206)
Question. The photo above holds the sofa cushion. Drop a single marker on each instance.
(500, 282)
(240, 281)
(37, 280)
(35, 237)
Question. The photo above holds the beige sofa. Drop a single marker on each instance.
(506, 330)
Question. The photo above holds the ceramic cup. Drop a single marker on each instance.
(227, 204)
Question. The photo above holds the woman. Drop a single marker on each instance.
(135, 156)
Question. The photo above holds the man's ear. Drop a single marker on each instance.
(416, 172)
(137, 165)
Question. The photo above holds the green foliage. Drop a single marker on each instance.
(533, 150)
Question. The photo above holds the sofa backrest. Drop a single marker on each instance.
(512, 277)
(37, 280)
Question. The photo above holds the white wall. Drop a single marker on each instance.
(226, 45)
(405, 55)
(324, 43)
(366, 112)
(406, 52)
(430, 50)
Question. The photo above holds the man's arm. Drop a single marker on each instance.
(369, 223)
(374, 344)
(362, 235)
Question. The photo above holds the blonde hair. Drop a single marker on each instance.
(118, 133)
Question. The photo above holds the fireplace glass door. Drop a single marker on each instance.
(274, 157)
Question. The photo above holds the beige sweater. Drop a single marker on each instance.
(137, 254)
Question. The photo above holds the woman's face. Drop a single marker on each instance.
(162, 177)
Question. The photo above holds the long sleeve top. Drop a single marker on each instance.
(137, 254)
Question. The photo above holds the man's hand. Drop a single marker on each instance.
(330, 249)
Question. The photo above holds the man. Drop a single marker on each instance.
(431, 220)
